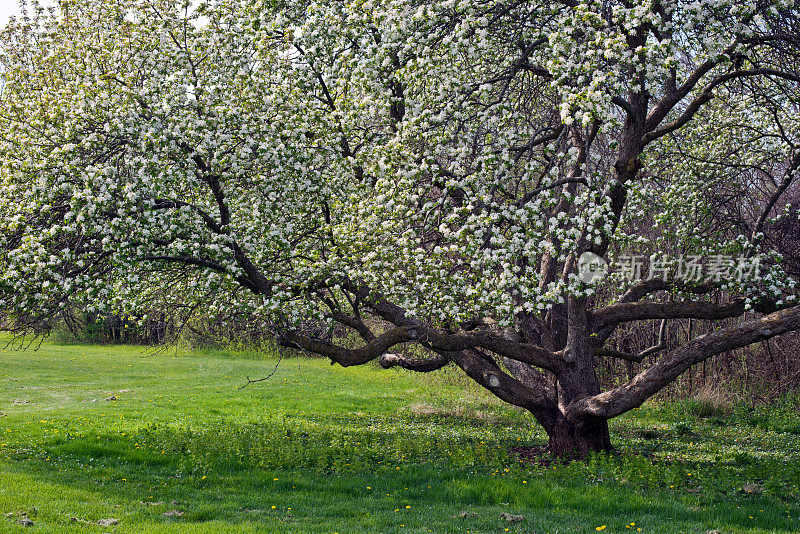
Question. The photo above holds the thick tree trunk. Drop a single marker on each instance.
(568, 439)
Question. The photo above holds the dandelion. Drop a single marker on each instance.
(601, 527)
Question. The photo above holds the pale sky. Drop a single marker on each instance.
(11, 7)
(7, 8)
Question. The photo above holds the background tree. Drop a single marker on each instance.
(422, 173)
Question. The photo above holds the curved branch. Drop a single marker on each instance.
(626, 312)
(188, 260)
(535, 141)
(521, 352)
(669, 367)
(707, 95)
(205, 263)
(355, 323)
(166, 203)
(439, 341)
(639, 357)
(624, 104)
(671, 99)
(641, 289)
(489, 375)
(531, 377)
(347, 357)
(421, 365)
(611, 353)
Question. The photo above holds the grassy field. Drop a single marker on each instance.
(165, 442)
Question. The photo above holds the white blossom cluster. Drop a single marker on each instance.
(244, 155)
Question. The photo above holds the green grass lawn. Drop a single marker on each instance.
(165, 442)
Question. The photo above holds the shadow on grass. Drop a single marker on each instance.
(299, 478)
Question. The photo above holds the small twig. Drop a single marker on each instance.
(637, 358)
(262, 379)
(662, 344)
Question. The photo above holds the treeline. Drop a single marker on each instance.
(89, 327)
(757, 374)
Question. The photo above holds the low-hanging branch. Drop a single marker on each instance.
(647, 383)
(348, 357)
(489, 375)
(422, 365)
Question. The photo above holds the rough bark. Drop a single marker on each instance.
(573, 437)
(577, 439)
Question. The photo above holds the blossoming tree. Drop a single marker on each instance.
(431, 175)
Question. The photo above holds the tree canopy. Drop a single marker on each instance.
(422, 174)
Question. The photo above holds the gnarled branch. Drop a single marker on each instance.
(641, 289)
(422, 365)
(347, 357)
(489, 375)
(673, 364)
(625, 312)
